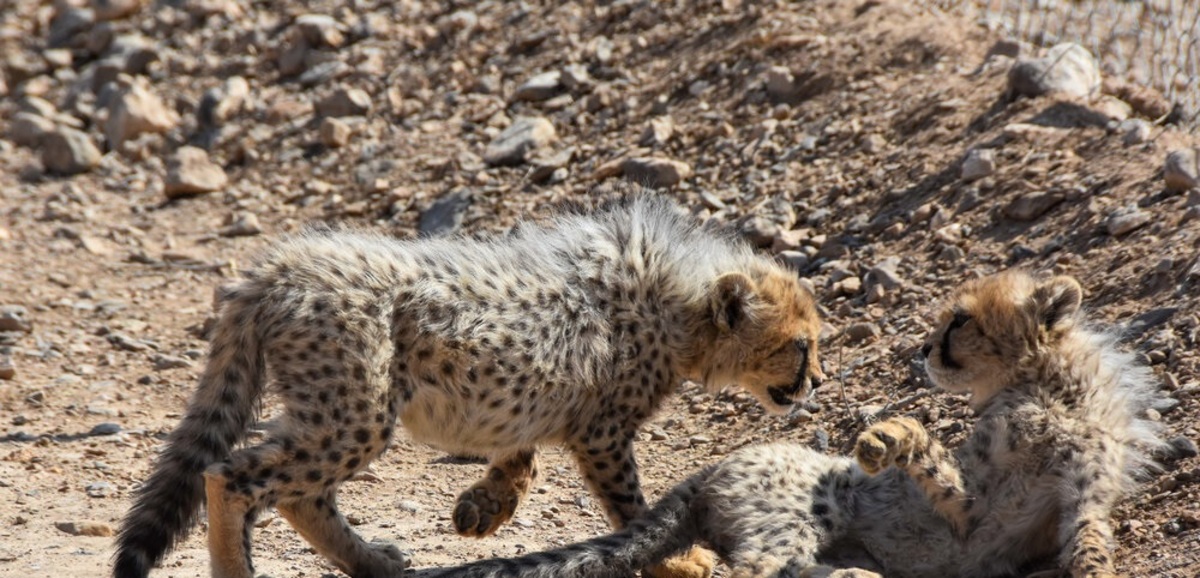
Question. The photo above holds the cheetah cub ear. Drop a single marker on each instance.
(729, 300)
(1056, 302)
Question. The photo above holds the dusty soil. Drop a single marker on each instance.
(853, 159)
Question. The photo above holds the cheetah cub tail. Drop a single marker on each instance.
(668, 529)
(217, 417)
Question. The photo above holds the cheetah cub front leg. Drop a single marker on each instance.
(491, 502)
(904, 443)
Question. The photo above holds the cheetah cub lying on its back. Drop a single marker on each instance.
(1060, 437)
(570, 334)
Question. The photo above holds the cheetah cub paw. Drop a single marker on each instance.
(898, 441)
(484, 507)
(381, 559)
(696, 563)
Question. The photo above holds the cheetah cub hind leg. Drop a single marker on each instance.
(492, 501)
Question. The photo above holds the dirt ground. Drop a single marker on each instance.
(831, 132)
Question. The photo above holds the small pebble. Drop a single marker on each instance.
(98, 489)
(860, 332)
(515, 143)
(99, 529)
(344, 102)
(1181, 172)
(165, 362)
(105, 429)
(978, 164)
(655, 172)
(334, 133)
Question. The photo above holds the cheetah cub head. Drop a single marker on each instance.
(766, 328)
(996, 326)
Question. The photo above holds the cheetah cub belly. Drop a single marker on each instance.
(570, 333)
(1061, 436)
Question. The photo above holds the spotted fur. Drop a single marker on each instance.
(570, 333)
(1061, 436)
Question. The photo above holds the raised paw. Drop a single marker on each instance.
(696, 563)
(483, 508)
(898, 440)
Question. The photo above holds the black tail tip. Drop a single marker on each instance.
(130, 565)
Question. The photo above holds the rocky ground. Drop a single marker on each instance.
(147, 150)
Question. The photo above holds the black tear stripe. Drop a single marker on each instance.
(947, 360)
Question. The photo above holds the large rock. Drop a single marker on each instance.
(513, 145)
(137, 111)
(190, 172)
(68, 151)
(1066, 68)
(1182, 170)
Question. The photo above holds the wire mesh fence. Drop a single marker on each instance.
(1155, 43)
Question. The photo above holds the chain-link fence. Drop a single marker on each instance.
(1155, 43)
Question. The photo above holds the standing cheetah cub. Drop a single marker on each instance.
(570, 334)
(1060, 437)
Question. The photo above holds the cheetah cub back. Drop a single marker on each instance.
(1061, 435)
(570, 333)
